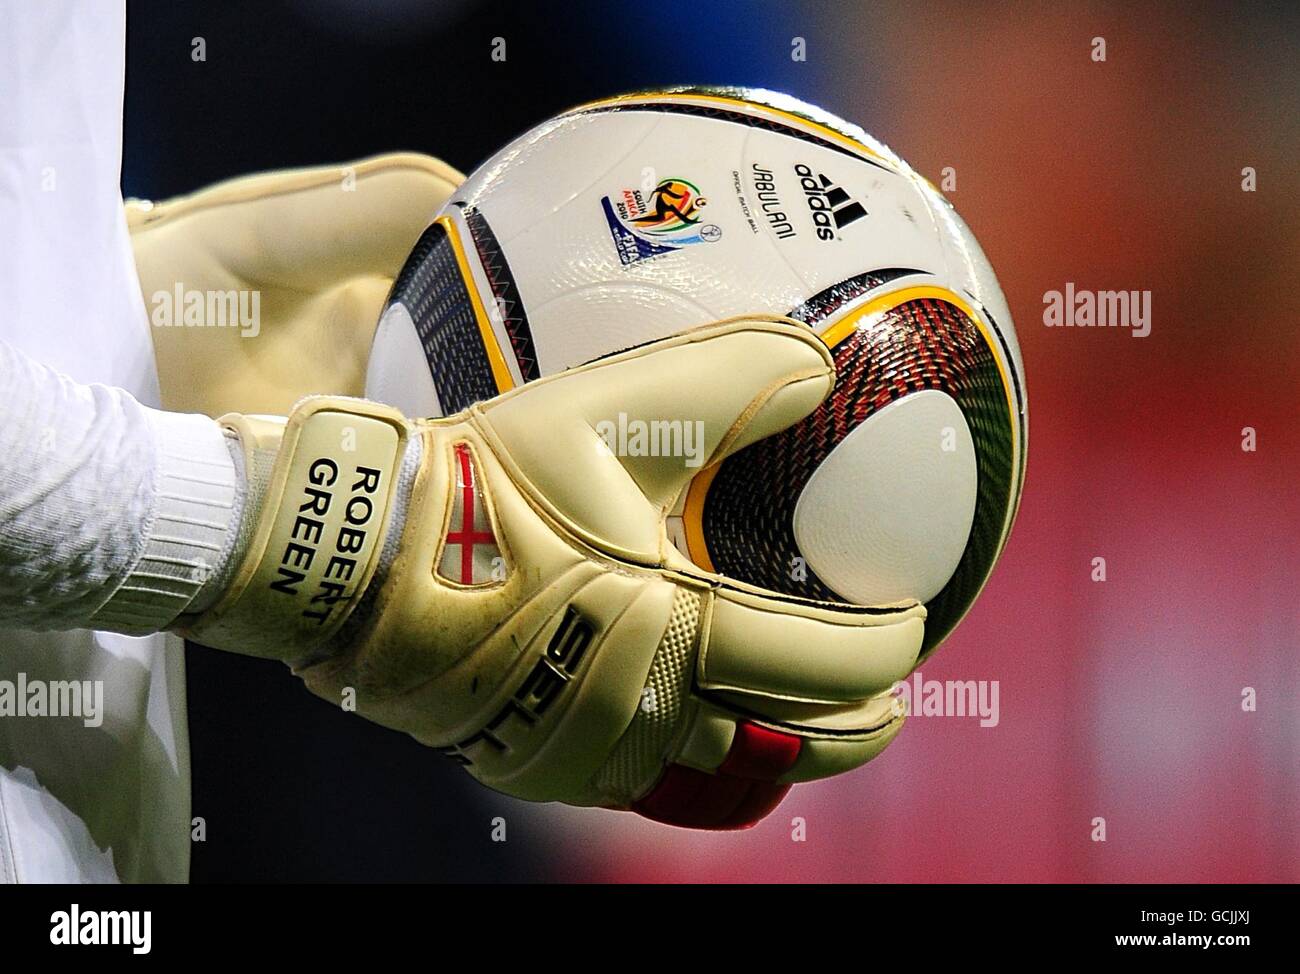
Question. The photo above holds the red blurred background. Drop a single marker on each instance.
(1119, 699)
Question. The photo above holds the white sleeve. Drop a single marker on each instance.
(113, 516)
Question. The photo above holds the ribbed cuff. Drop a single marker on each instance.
(197, 492)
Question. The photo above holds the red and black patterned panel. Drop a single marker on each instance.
(505, 292)
(924, 343)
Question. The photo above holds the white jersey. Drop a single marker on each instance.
(81, 803)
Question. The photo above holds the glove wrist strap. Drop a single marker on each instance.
(320, 528)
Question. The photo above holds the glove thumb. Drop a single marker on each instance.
(609, 446)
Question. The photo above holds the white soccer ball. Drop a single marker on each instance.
(631, 219)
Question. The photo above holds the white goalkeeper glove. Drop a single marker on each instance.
(500, 585)
(318, 247)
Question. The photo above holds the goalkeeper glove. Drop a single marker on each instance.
(500, 585)
(319, 248)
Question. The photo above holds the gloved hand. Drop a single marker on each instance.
(500, 585)
(319, 248)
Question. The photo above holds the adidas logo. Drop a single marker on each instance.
(832, 208)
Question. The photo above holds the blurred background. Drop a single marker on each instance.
(1119, 700)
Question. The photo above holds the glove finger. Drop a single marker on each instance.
(830, 740)
(825, 757)
(730, 771)
(308, 228)
(769, 647)
(700, 395)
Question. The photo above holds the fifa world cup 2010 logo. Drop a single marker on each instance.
(645, 223)
(673, 205)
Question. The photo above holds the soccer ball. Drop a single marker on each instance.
(630, 219)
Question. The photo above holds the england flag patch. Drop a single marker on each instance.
(470, 554)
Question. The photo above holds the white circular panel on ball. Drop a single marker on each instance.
(887, 514)
(398, 372)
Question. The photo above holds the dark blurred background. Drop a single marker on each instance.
(1119, 700)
